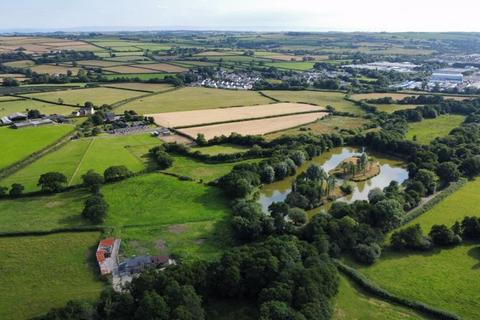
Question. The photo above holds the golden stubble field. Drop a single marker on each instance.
(209, 116)
(254, 127)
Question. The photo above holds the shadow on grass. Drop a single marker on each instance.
(475, 253)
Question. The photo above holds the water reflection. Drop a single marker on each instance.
(390, 170)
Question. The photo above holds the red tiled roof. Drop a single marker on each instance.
(107, 242)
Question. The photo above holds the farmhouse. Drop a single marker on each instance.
(17, 116)
(31, 123)
(84, 111)
(107, 255)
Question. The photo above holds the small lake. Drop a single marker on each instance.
(391, 169)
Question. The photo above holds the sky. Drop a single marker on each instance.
(261, 15)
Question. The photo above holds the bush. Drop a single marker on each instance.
(52, 182)
(93, 181)
(367, 253)
(116, 173)
(16, 190)
(442, 236)
(95, 209)
(411, 238)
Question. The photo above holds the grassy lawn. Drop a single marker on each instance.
(17, 144)
(429, 129)
(351, 304)
(9, 107)
(43, 272)
(321, 98)
(326, 125)
(220, 149)
(195, 99)
(442, 278)
(79, 156)
(97, 96)
(157, 199)
(42, 213)
(199, 170)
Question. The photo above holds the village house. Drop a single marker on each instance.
(84, 111)
(143, 263)
(107, 255)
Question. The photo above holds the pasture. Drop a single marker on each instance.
(352, 304)
(390, 108)
(164, 67)
(201, 171)
(18, 144)
(98, 96)
(141, 76)
(428, 129)
(294, 65)
(20, 64)
(43, 213)
(254, 127)
(419, 275)
(204, 240)
(44, 272)
(78, 156)
(398, 96)
(220, 149)
(326, 125)
(54, 69)
(200, 117)
(156, 199)
(320, 98)
(190, 98)
(23, 105)
(150, 87)
(129, 69)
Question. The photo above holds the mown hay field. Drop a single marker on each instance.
(97, 96)
(429, 129)
(200, 117)
(190, 98)
(20, 64)
(254, 127)
(44, 272)
(129, 69)
(18, 144)
(294, 65)
(77, 157)
(8, 107)
(321, 98)
(397, 96)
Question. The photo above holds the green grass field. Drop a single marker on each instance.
(18, 144)
(218, 149)
(195, 99)
(321, 98)
(157, 199)
(198, 170)
(442, 278)
(97, 96)
(326, 125)
(429, 129)
(190, 241)
(151, 87)
(43, 213)
(141, 76)
(300, 65)
(9, 107)
(389, 108)
(351, 304)
(79, 156)
(43, 272)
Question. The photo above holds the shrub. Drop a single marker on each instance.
(367, 253)
(116, 173)
(410, 238)
(95, 209)
(92, 181)
(442, 236)
(16, 190)
(52, 182)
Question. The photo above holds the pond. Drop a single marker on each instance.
(391, 169)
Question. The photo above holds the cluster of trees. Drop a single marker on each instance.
(311, 188)
(412, 238)
(161, 157)
(16, 189)
(419, 100)
(285, 278)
